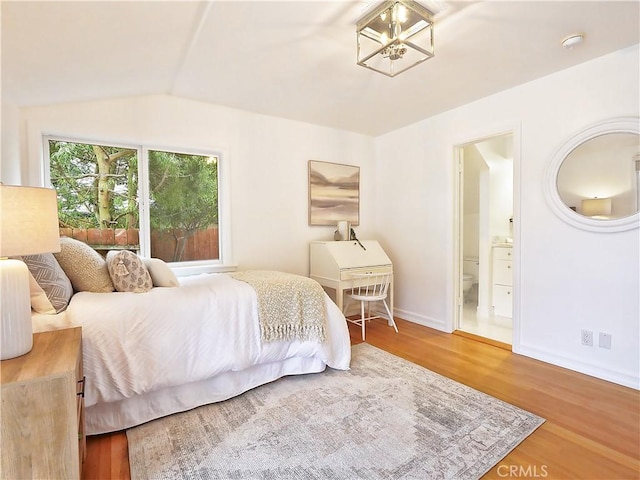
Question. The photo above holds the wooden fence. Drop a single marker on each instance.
(203, 245)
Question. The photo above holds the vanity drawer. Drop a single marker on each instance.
(502, 272)
(502, 253)
(502, 300)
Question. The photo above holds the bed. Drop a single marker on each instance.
(171, 349)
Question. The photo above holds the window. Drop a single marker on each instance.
(183, 206)
(161, 203)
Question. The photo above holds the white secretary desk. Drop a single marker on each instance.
(332, 265)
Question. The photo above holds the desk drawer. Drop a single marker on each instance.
(348, 273)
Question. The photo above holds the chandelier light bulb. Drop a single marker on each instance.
(402, 13)
(397, 30)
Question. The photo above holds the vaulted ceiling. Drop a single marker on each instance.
(293, 59)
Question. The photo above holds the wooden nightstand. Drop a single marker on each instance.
(43, 409)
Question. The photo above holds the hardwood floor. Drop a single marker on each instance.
(592, 428)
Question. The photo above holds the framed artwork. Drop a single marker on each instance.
(334, 193)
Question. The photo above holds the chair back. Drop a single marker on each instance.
(370, 286)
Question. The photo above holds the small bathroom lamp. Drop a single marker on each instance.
(596, 207)
(28, 225)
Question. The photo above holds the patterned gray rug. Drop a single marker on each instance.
(386, 418)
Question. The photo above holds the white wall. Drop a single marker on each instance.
(569, 279)
(267, 159)
(10, 150)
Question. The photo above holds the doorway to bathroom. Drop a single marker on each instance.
(484, 263)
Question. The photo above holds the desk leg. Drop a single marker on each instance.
(391, 301)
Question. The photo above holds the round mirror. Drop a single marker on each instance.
(593, 181)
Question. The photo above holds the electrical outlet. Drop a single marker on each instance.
(604, 340)
(587, 338)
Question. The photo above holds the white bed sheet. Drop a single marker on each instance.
(172, 349)
(43, 323)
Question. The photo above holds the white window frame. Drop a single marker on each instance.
(225, 261)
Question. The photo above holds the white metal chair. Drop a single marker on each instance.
(368, 288)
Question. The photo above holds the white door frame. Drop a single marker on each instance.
(513, 128)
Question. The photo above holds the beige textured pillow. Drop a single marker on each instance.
(128, 272)
(49, 287)
(86, 269)
(160, 272)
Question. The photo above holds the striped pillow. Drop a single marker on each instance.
(49, 286)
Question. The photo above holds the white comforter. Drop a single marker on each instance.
(134, 344)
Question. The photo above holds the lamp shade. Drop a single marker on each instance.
(29, 219)
(596, 207)
(28, 225)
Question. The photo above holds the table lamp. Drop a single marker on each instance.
(596, 207)
(28, 225)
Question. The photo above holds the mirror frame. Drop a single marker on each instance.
(614, 125)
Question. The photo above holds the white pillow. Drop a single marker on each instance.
(160, 272)
(39, 301)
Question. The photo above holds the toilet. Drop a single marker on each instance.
(467, 283)
(470, 270)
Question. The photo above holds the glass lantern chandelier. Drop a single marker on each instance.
(395, 36)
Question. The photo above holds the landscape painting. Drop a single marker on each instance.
(334, 193)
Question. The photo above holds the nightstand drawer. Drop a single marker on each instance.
(41, 414)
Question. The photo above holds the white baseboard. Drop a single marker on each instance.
(614, 376)
(421, 320)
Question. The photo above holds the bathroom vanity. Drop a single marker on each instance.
(503, 280)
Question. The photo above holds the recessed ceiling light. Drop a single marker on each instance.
(572, 40)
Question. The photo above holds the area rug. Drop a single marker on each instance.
(385, 418)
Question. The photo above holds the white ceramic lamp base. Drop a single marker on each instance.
(15, 310)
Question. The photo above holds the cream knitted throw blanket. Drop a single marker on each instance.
(289, 306)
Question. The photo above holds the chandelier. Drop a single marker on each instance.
(395, 36)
